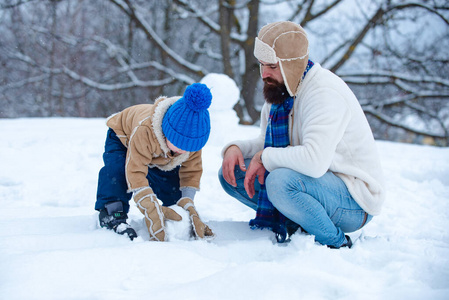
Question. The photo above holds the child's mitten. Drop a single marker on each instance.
(155, 214)
(200, 229)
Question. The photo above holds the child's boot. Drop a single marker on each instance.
(114, 218)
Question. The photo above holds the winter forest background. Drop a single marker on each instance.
(91, 58)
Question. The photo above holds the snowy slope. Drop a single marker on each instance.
(51, 246)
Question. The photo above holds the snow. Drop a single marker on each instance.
(52, 248)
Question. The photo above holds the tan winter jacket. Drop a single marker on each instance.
(139, 128)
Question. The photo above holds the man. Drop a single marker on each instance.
(315, 158)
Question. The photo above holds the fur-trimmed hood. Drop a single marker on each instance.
(139, 128)
(162, 104)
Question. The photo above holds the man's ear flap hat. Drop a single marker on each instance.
(285, 43)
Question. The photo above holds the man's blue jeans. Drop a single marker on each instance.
(112, 184)
(321, 206)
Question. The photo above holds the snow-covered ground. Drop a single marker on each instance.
(51, 246)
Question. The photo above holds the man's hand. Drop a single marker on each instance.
(232, 157)
(255, 168)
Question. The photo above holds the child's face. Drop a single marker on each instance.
(173, 148)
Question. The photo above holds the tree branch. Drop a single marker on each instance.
(350, 50)
(385, 119)
(213, 26)
(311, 16)
(426, 7)
(18, 3)
(396, 76)
(136, 14)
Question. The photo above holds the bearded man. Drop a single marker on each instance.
(315, 160)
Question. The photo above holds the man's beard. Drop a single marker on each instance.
(274, 91)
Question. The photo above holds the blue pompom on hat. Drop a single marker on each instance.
(186, 123)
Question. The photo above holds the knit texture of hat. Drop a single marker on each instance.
(186, 123)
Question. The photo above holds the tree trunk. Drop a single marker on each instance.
(225, 21)
(252, 74)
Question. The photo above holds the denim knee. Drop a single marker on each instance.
(239, 192)
(350, 220)
(279, 180)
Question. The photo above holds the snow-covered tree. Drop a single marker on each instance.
(93, 58)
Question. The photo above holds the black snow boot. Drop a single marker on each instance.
(114, 218)
(291, 228)
(348, 243)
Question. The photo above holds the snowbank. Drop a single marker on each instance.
(52, 248)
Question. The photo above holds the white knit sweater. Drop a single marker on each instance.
(328, 131)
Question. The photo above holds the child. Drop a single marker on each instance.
(153, 151)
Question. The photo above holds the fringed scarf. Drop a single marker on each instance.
(267, 216)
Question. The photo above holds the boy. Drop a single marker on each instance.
(153, 151)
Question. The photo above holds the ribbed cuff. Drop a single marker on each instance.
(188, 192)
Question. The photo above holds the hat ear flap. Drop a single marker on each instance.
(289, 70)
(292, 49)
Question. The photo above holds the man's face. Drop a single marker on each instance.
(271, 73)
(274, 89)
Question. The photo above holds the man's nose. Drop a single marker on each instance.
(266, 72)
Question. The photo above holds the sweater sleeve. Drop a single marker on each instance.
(252, 146)
(321, 123)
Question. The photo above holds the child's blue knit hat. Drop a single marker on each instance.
(186, 123)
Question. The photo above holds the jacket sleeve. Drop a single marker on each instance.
(191, 171)
(321, 123)
(251, 147)
(139, 156)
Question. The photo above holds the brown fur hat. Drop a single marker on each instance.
(284, 43)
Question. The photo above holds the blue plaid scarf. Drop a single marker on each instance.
(267, 216)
